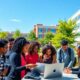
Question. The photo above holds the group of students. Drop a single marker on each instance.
(18, 57)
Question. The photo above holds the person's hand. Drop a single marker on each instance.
(31, 66)
(67, 70)
(45, 57)
(5, 72)
(41, 58)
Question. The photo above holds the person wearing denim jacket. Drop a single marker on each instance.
(65, 54)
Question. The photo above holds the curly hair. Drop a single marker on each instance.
(46, 47)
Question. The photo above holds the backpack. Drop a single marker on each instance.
(69, 51)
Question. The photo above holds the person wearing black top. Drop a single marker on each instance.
(15, 59)
(49, 54)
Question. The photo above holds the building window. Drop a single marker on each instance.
(40, 30)
(40, 36)
(53, 30)
(44, 30)
(47, 29)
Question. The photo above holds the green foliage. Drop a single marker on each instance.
(3, 35)
(65, 31)
(17, 34)
(78, 34)
(47, 38)
(31, 36)
(42, 41)
(49, 35)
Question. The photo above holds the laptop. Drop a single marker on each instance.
(46, 71)
(53, 70)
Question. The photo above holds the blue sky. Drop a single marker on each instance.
(24, 14)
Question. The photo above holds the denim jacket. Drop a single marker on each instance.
(65, 58)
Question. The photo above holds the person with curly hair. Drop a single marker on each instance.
(48, 54)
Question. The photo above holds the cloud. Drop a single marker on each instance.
(15, 20)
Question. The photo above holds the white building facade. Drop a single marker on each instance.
(76, 17)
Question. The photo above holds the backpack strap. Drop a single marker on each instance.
(60, 52)
(69, 51)
(60, 58)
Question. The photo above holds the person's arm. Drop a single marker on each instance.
(72, 71)
(14, 62)
(72, 59)
(54, 59)
(40, 58)
(5, 71)
(76, 71)
(14, 59)
(14, 69)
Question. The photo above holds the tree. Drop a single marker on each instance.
(31, 36)
(3, 35)
(49, 35)
(17, 34)
(42, 41)
(65, 30)
(47, 38)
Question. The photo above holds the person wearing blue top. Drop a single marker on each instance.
(10, 45)
(65, 54)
